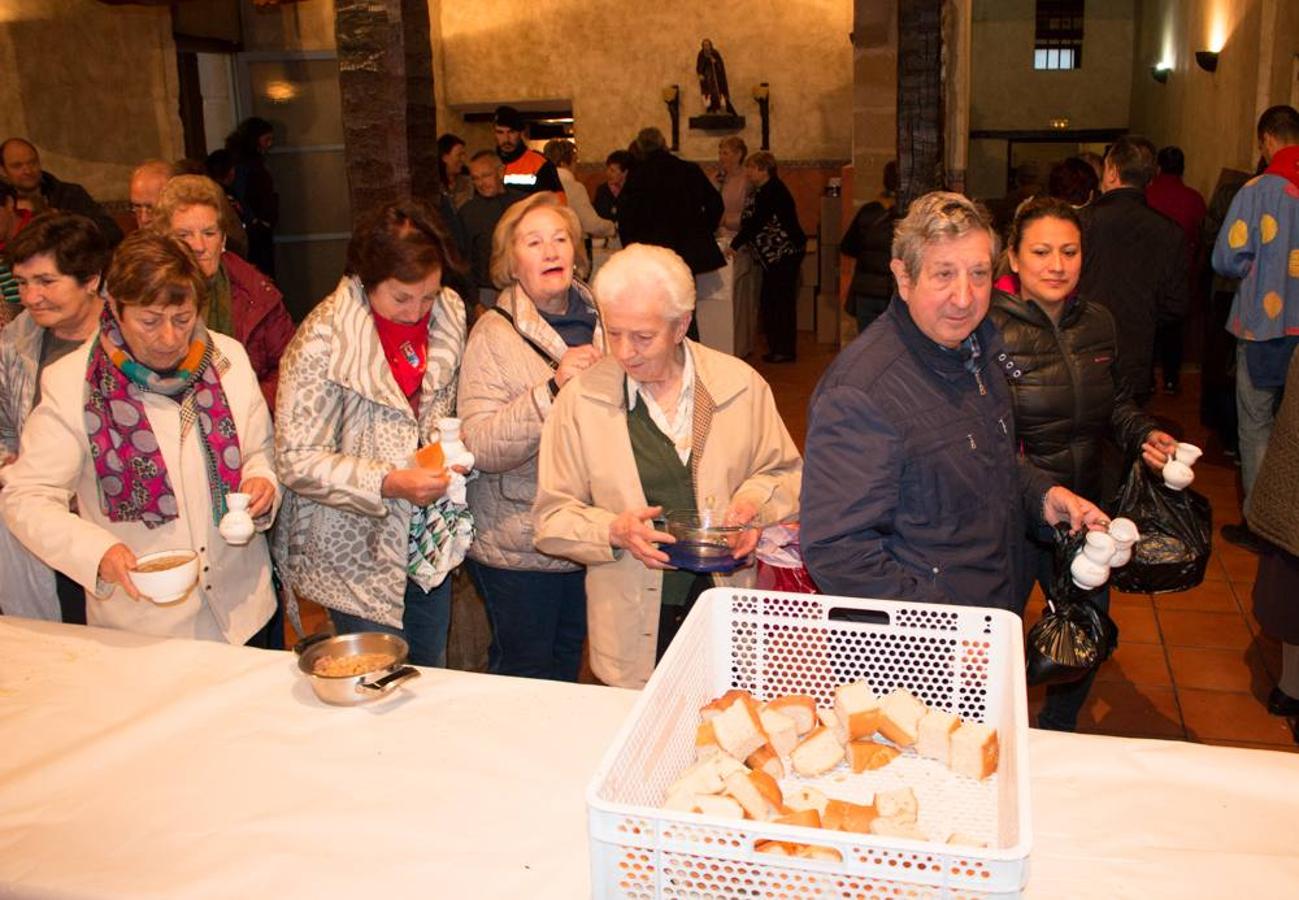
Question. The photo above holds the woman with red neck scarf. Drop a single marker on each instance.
(1060, 357)
(362, 387)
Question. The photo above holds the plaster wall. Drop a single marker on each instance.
(93, 86)
(1007, 93)
(306, 25)
(613, 64)
(1212, 116)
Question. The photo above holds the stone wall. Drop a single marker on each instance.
(1212, 116)
(94, 87)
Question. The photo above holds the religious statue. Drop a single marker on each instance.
(712, 79)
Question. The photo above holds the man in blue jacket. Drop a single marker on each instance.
(912, 488)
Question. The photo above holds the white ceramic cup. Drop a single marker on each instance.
(1087, 573)
(1121, 557)
(1177, 475)
(1124, 531)
(1099, 547)
(1188, 454)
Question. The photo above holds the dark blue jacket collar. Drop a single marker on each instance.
(971, 356)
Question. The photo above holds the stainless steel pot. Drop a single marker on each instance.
(349, 690)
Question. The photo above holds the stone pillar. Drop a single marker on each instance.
(875, 95)
(957, 24)
(920, 98)
(385, 76)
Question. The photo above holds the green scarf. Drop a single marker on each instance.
(219, 317)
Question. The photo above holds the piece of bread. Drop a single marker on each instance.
(705, 740)
(898, 804)
(829, 720)
(840, 815)
(718, 704)
(776, 848)
(857, 709)
(738, 729)
(808, 818)
(959, 839)
(813, 851)
(701, 778)
(974, 750)
(721, 806)
(681, 801)
(900, 715)
(781, 731)
(817, 753)
(897, 828)
(754, 792)
(430, 456)
(934, 735)
(868, 754)
(799, 707)
(766, 760)
(803, 797)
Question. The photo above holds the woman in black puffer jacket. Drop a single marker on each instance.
(1067, 390)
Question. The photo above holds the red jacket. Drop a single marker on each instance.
(262, 324)
(1184, 205)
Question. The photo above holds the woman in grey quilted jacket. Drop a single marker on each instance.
(542, 332)
(362, 386)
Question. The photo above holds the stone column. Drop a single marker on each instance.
(875, 95)
(385, 76)
(920, 98)
(957, 24)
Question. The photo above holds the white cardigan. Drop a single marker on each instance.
(234, 597)
(579, 201)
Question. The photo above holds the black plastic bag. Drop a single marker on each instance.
(1074, 635)
(1176, 535)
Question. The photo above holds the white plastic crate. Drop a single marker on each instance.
(966, 660)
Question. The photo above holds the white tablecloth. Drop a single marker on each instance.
(138, 767)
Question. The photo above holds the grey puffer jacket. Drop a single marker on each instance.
(20, 359)
(504, 399)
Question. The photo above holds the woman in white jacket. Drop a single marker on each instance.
(541, 333)
(149, 425)
(563, 154)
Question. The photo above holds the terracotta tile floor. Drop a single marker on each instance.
(1192, 665)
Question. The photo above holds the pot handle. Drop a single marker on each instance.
(388, 682)
(312, 640)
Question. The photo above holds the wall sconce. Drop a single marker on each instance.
(762, 94)
(1207, 60)
(1059, 124)
(672, 97)
(1160, 72)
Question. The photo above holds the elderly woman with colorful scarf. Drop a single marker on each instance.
(149, 426)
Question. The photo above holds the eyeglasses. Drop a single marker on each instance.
(141, 207)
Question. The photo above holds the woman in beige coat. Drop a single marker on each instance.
(542, 332)
(660, 423)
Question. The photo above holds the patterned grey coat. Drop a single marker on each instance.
(342, 424)
(20, 359)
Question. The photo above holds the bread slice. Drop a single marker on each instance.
(818, 753)
(721, 806)
(898, 804)
(766, 760)
(974, 750)
(829, 720)
(754, 792)
(900, 715)
(897, 828)
(781, 730)
(812, 851)
(840, 815)
(718, 704)
(808, 818)
(803, 797)
(868, 754)
(959, 839)
(857, 709)
(705, 741)
(701, 778)
(738, 729)
(934, 735)
(799, 707)
(776, 848)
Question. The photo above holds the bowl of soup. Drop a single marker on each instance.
(165, 576)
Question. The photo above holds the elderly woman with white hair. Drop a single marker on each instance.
(661, 424)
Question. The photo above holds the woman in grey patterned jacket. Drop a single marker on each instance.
(362, 385)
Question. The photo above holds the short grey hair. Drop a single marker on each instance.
(645, 267)
(939, 216)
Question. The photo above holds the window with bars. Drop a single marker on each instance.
(1058, 40)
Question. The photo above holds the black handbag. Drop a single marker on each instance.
(1074, 635)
